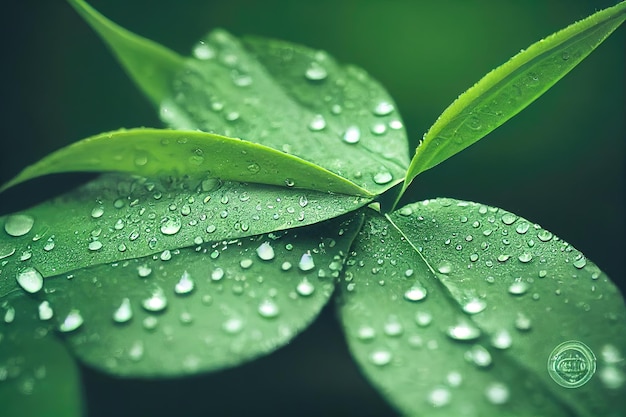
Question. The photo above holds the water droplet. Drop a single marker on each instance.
(306, 262)
(315, 72)
(415, 293)
(383, 177)
(571, 364)
(45, 311)
(245, 263)
(97, 212)
(352, 135)
(518, 288)
(18, 224)
(383, 108)
(497, 393)
(393, 327)
(305, 288)
(124, 312)
(474, 306)
(286, 266)
(150, 323)
(71, 322)
(135, 352)
(444, 267)
(233, 325)
(522, 227)
(580, 262)
(525, 257)
(156, 302)
(423, 318)
(463, 331)
(380, 357)
(185, 284)
(217, 274)
(522, 322)
(612, 377)
(508, 218)
(479, 356)
(454, 379)
(203, 51)
(9, 315)
(265, 251)
(268, 309)
(30, 280)
(439, 397)
(144, 270)
(544, 235)
(166, 255)
(366, 333)
(502, 339)
(317, 123)
(95, 245)
(170, 226)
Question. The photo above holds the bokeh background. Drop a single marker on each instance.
(560, 163)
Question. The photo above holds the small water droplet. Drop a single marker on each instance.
(393, 327)
(454, 379)
(383, 108)
(30, 280)
(305, 288)
(306, 262)
(352, 135)
(439, 397)
(444, 267)
(315, 72)
(18, 224)
(415, 293)
(71, 322)
(217, 274)
(135, 352)
(518, 288)
(479, 356)
(170, 225)
(144, 270)
(245, 263)
(365, 333)
(185, 284)
(522, 322)
(166, 255)
(380, 357)
(97, 212)
(525, 257)
(268, 309)
(285, 266)
(233, 325)
(580, 262)
(9, 315)
(156, 302)
(45, 311)
(95, 245)
(124, 312)
(508, 218)
(423, 318)
(203, 51)
(497, 393)
(265, 251)
(474, 306)
(317, 123)
(463, 331)
(502, 339)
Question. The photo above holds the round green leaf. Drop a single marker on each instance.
(204, 308)
(455, 308)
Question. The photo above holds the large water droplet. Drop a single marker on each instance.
(352, 135)
(71, 322)
(144, 270)
(383, 108)
(580, 262)
(95, 245)
(497, 393)
(380, 357)
(156, 302)
(18, 224)
(124, 312)
(508, 218)
(474, 306)
(479, 356)
(217, 274)
(518, 288)
(203, 51)
(317, 123)
(315, 72)
(305, 288)
(463, 331)
(268, 309)
(45, 311)
(502, 339)
(171, 226)
(9, 315)
(30, 280)
(415, 293)
(306, 262)
(365, 333)
(185, 284)
(383, 177)
(265, 251)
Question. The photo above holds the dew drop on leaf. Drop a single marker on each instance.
(380, 357)
(315, 72)
(383, 108)
(463, 331)
(497, 393)
(156, 302)
(71, 322)
(317, 123)
(18, 224)
(415, 293)
(233, 325)
(171, 226)
(30, 280)
(185, 284)
(305, 288)
(124, 312)
(265, 251)
(439, 397)
(383, 177)
(45, 311)
(268, 309)
(306, 262)
(352, 135)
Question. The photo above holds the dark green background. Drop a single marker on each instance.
(560, 163)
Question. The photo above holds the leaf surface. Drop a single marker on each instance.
(157, 152)
(201, 309)
(293, 99)
(455, 308)
(38, 377)
(150, 65)
(118, 217)
(508, 89)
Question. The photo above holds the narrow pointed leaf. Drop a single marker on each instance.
(455, 308)
(205, 308)
(38, 377)
(156, 152)
(118, 217)
(293, 99)
(150, 65)
(508, 89)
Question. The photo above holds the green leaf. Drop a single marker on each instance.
(293, 99)
(204, 308)
(508, 89)
(118, 217)
(156, 152)
(38, 377)
(150, 65)
(454, 308)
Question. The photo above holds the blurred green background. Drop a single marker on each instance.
(560, 163)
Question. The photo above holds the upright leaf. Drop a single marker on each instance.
(156, 152)
(150, 65)
(293, 99)
(455, 308)
(204, 308)
(508, 89)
